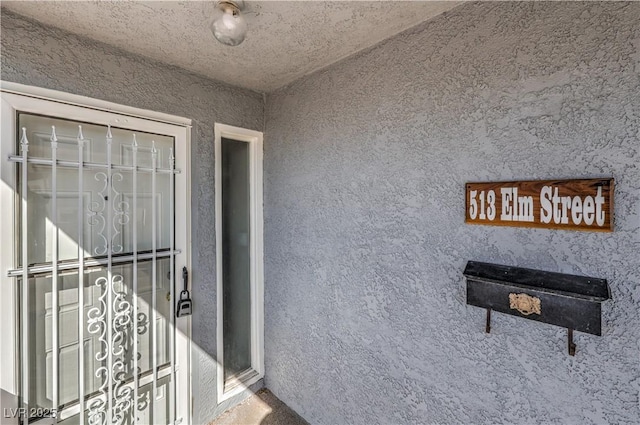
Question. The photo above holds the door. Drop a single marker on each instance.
(95, 204)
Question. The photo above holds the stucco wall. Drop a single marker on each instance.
(365, 165)
(46, 57)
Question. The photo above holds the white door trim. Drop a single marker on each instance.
(255, 139)
(18, 97)
(88, 102)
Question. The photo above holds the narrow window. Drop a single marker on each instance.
(236, 259)
(239, 258)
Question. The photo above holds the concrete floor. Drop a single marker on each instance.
(262, 408)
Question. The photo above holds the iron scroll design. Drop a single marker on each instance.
(96, 214)
(118, 344)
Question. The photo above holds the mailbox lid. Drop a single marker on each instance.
(566, 285)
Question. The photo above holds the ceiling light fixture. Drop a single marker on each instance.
(228, 24)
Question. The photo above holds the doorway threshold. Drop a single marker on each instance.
(262, 408)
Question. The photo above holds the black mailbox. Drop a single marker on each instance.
(569, 301)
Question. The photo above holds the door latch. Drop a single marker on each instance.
(184, 307)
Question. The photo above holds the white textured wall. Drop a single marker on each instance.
(46, 57)
(365, 165)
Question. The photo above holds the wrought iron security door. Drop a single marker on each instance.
(95, 259)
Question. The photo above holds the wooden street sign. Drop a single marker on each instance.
(585, 204)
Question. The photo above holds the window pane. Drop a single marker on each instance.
(236, 268)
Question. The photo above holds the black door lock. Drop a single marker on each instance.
(184, 302)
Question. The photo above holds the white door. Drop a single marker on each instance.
(94, 230)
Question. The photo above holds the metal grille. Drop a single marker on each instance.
(124, 364)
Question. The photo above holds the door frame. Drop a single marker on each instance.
(256, 250)
(70, 106)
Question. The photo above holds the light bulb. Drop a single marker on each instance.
(228, 24)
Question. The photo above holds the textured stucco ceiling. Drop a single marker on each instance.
(285, 41)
